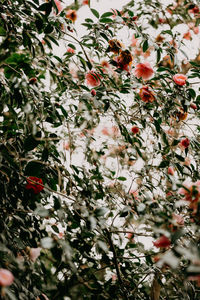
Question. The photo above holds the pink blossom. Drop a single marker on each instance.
(170, 171)
(178, 219)
(143, 70)
(195, 30)
(134, 41)
(105, 131)
(70, 50)
(180, 79)
(34, 253)
(59, 5)
(187, 36)
(6, 277)
(92, 79)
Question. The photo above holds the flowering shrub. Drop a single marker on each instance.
(99, 152)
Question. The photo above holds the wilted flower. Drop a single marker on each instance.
(144, 71)
(71, 14)
(146, 94)
(35, 184)
(180, 79)
(6, 277)
(124, 60)
(181, 115)
(114, 46)
(162, 242)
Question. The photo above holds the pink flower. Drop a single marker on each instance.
(162, 242)
(70, 50)
(134, 41)
(6, 277)
(34, 253)
(180, 79)
(59, 5)
(143, 70)
(134, 193)
(114, 131)
(170, 171)
(195, 30)
(178, 219)
(191, 191)
(92, 79)
(105, 131)
(187, 36)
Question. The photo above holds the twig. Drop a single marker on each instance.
(115, 260)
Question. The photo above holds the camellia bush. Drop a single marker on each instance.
(99, 151)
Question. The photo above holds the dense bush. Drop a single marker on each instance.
(99, 176)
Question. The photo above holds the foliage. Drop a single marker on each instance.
(83, 204)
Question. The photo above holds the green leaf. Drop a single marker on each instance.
(95, 12)
(164, 164)
(179, 157)
(191, 93)
(145, 46)
(121, 178)
(31, 142)
(106, 20)
(107, 14)
(65, 114)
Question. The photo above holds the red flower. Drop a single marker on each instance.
(135, 129)
(146, 94)
(162, 242)
(32, 184)
(180, 79)
(93, 92)
(193, 105)
(143, 70)
(185, 143)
